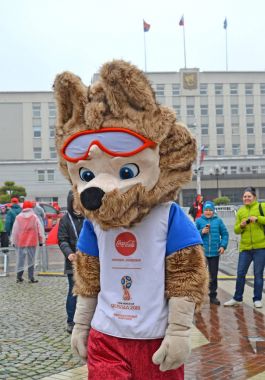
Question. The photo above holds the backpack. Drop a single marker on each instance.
(262, 214)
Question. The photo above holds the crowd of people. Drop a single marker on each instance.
(250, 225)
(23, 227)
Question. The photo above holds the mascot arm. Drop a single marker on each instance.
(86, 275)
(86, 288)
(186, 286)
(187, 275)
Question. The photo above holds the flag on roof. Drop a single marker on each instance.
(181, 21)
(146, 26)
(225, 23)
(203, 153)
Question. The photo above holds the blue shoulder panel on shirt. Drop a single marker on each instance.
(87, 241)
(182, 232)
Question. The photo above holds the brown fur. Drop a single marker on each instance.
(123, 97)
(86, 275)
(187, 275)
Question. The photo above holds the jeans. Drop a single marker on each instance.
(22, 252)
(213, 264)
(244, 261)
(70, 300)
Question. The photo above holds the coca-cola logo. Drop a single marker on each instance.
(125, 243)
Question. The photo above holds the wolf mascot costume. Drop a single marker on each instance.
(140, 271)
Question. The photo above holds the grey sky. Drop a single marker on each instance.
(39, 38)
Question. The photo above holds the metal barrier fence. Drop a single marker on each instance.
(49, 259)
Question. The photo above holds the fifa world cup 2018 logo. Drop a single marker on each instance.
(126, 283)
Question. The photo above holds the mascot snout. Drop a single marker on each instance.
(91, 198)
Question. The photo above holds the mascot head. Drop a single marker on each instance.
(122, 152)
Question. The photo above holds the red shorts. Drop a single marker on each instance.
(111, 358)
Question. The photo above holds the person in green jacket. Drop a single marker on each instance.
(14, 210)
(249, 224)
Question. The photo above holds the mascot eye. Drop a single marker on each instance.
(129, 171)
(86, 174)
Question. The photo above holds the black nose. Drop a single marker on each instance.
(91, 198)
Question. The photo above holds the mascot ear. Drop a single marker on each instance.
(71, 97)
(125, 85)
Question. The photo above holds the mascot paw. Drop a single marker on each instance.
(79, 342)
(172, 353)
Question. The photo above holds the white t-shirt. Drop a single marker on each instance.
(131, 301)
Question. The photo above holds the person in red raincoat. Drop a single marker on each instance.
(27, 234)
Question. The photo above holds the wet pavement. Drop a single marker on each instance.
(33, 339)
(228, 342)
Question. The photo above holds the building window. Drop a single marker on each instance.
(190, 110)
(248, 89)
(219, 129)
(36, 125)
(160, 90)
(219, 109)
(204, 129)
(176, 108)
(233, 170)
(37, 153)
(203, 89)
(255, 169)
(36, 132)
(36, 109)
(224, 169)
(50, 175)
(236, 149)
(263, 148)
(40, 175)
(250, 128)
(262, 89)
(52, 109)
(204, 110)
(249, 109)
(263, 109)
(251, 149)
(235, 128)
(218, 89)
(175, 89)
(263, 128)
(234, 109)
(233, 89)
(220, 150)
(43, 175)
(52, 132)
(53, 153)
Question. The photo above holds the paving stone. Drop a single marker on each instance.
(33, 338)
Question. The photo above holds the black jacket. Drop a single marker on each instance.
(66, 233)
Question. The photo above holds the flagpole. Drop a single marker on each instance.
(184, 44)
(144, 53)
(182, 23)
(226, 59)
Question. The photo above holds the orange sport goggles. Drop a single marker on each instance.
(115, 141)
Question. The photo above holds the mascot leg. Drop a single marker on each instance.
(127, 359)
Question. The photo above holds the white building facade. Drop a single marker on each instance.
(225, 110)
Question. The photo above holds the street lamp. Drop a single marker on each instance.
(217, 171)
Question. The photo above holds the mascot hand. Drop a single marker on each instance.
(175, 347)
(79, 340)
(85, 308)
